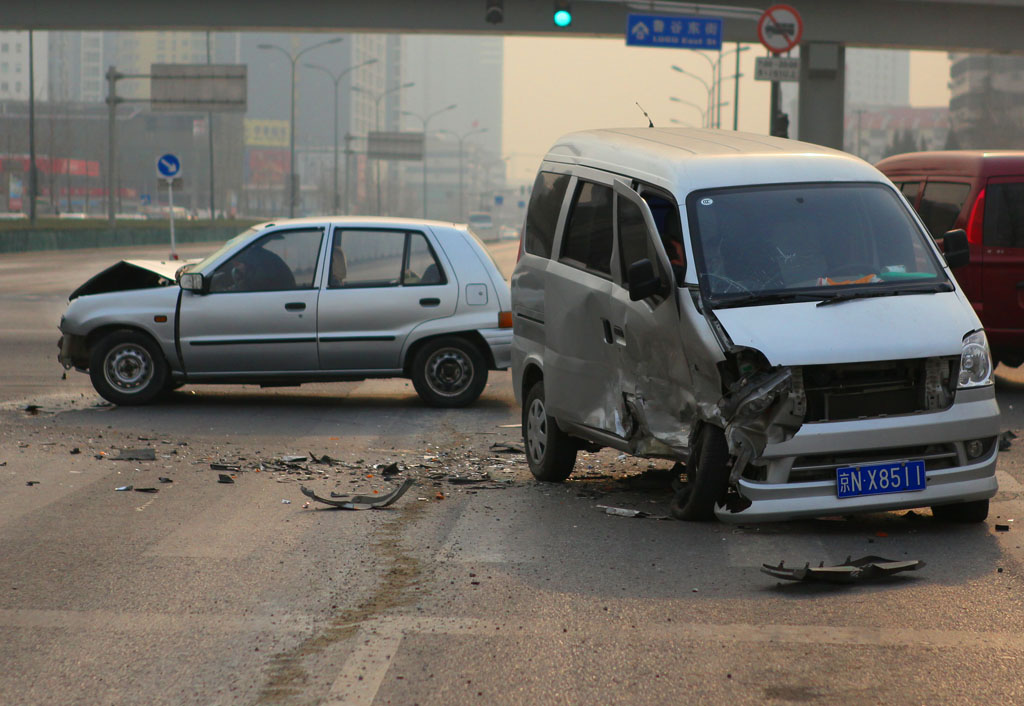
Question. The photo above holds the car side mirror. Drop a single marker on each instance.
(955, 248)
(642, 280)
(192, 282)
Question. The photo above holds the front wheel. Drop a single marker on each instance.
(550, 452)
(707, 477)
(127, 368)
(449, 372)
(973, 511)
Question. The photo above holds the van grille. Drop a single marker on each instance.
(936, 457)
(885, 388)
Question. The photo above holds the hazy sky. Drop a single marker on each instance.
(557, 85)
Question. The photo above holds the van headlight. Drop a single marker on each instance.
(975, 361)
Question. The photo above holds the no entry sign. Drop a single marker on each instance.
(780, 28)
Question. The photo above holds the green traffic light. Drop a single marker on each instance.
(563, 18)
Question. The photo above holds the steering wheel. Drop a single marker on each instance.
(731, 284)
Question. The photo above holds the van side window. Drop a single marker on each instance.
(666, 218)
(588, 235)
(941, 204)
(542, 215)
(1004, 215)
(634, 244)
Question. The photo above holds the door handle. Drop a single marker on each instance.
(430, 301)
(295, 306)
(620, 334)
(607, 325)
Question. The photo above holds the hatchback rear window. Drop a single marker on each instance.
(1004, 215)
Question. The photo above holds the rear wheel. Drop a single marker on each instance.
(449, 372)
(973, 511)
(127, 368)
(550, 452)
(707, 477)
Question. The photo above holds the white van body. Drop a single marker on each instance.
(796, 392)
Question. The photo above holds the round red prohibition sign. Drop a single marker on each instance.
(780, 28)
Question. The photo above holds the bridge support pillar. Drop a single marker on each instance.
(822, 85)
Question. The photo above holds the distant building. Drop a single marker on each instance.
(879, 77)
(76, 71)
(876, 132)
(987, 101)
(14, 65)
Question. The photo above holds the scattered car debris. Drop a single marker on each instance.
(292, 459)
(1006, 440)
(31, 408)
(147, 490)
(225, 478)
(510, 426)
(136, 455)
(361, 502)
(1002, 528)
(325, 459)
(389, 470)
(32, 482)
(124, 488)
(286, 501)
(503, 448)
(864, 569)
(165, 479)
(225, 467)
(626, 512)
(75, 451)
(469, 478)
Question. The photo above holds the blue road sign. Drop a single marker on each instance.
(498, 199)
(673, 31)
(168, 166)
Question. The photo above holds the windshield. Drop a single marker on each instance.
(200, 266)
(809, 241)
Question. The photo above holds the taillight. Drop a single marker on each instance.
(976, 220)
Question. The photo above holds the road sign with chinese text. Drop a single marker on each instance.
(776, 68)
(674, 31)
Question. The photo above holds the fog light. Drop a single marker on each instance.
(974, 448)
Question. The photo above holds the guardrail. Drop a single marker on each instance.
(17, 237)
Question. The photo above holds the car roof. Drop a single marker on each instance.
(684, 159)
(361, 222)
(956, 163)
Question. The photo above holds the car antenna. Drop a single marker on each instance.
(650, 123)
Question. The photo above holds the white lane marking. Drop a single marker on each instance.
(364, 670)
(140, 508)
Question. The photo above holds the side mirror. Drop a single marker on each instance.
(955, 248)
(642, 281)
(192, 282)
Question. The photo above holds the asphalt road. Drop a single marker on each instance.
(510, 593)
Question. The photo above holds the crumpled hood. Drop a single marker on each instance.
(131, 274)
(860, 330)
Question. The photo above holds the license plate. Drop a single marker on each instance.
(879, 478)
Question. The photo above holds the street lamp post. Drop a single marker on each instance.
(293, 58)
(709, 112)
(376, 122)
(461, 139)
(425, 121)
(703, 113)
(336, 78)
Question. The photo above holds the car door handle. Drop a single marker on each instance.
(430, 301)
(295, 306)
(619, 333)
(607, 326)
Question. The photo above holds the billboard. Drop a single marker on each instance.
(395, 145)
(198, 87)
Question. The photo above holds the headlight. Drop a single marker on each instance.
(975, 361)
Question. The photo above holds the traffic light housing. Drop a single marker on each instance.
(495, 11)
(562, 14)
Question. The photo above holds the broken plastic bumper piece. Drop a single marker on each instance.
(863, 569)
(361, 502)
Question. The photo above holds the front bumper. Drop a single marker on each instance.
(974, 415)
(500, 342)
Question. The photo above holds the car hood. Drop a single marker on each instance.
(859, 330)
(132, 274)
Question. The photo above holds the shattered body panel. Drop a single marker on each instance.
(131, 274)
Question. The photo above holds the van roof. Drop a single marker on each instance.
(955, 163)
(685, 159)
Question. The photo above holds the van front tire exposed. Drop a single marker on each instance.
(707, 477)
(550, 452)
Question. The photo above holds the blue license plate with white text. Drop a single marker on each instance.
(880, 478)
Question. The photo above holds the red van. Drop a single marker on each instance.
(983, 193)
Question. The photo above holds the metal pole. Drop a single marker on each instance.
(336, 198)
(736, 92)
(424, 168)
(291, 131)
(209, 132)
(462, 213)
(111, 116)
(170, 198)
(348, 171)
(776, 99)
(376, 162)
(32, 184)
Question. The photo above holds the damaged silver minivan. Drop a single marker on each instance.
(770, 313)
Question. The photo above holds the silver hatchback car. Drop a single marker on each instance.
(296, 301)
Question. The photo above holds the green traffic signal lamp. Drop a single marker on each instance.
(563, 13)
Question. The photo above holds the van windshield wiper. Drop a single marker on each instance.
(837, 297)
(753, 299)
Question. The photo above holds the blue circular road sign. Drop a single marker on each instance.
(168, 166)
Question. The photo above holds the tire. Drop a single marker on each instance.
(127, 368)
(550, 452)
(449, 372)
(707, 477)
(973, 511)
